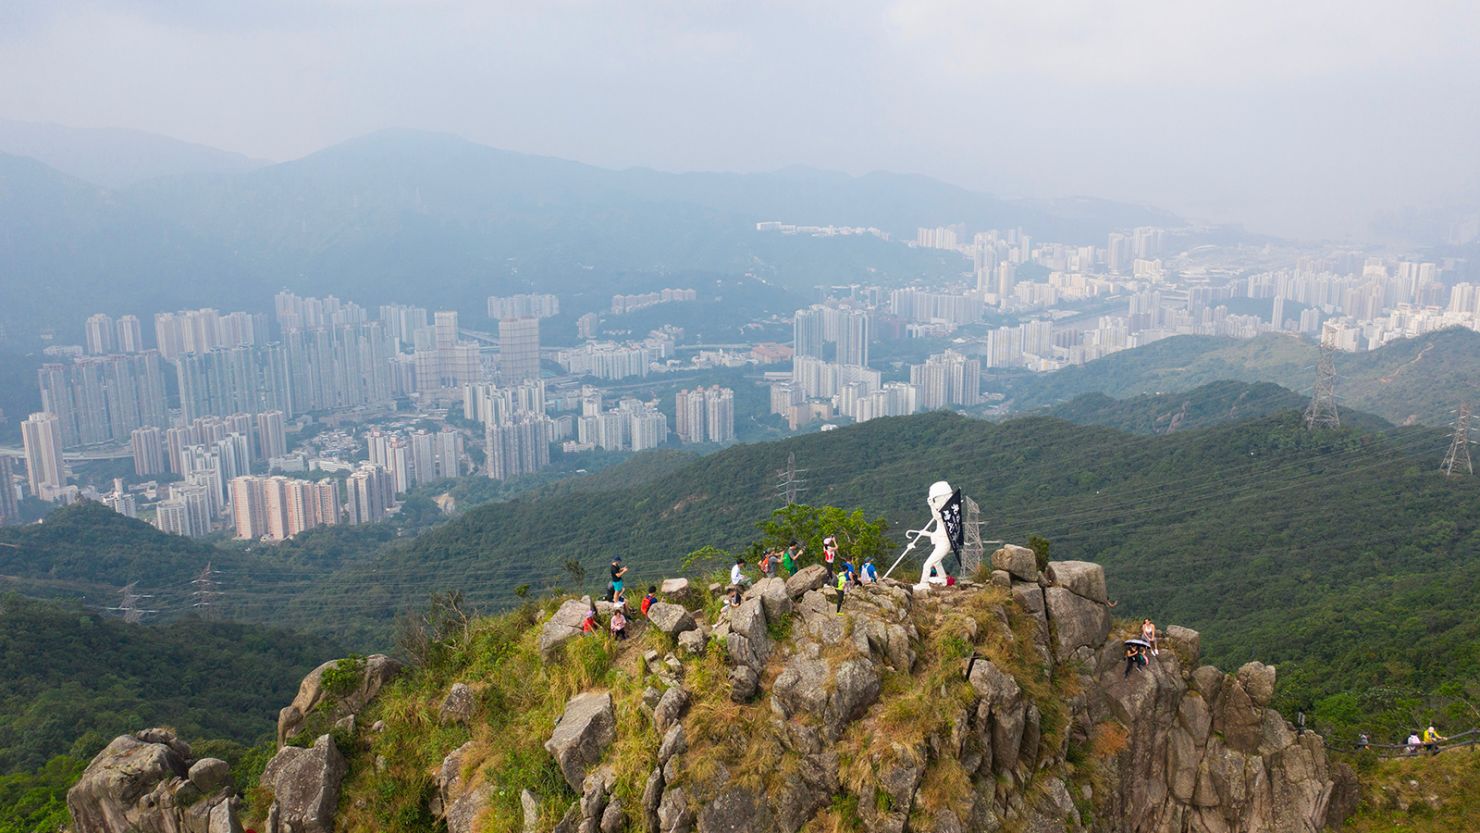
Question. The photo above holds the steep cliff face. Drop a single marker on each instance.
(1003, 706)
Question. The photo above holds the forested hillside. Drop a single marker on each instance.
(1330, 552)
(1411, 380)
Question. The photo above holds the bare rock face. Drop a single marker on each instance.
(806, 579)
(460, 802)
(143, 782)
(564, 625)
(585, 730)
(305, 787)
(1021, 562)
(774, 597)
(378, 670)
(1081, 578)
(458, 705)
(1078, 622)
(669, 618)
(1258, 680)
(679, 591)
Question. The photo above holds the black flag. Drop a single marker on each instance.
(950, 515)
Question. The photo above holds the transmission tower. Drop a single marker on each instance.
(1458, 458)
(207, 591)
(1322, 411)
(789, 483)
(129, 605)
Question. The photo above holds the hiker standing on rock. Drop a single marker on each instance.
(829, 552)
(618, 570)
(789, 558)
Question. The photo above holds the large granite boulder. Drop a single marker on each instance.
(460, 800)
(143, 782)
(1257, 680)
(373, 673)
(1021, 562)
(1082, 578)
(1077, 621)
(305, 787)
(563, 625)
(806, 579)
(669, 618)
(587, 727)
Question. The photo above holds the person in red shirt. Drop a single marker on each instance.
(652, 596)
(589, 624)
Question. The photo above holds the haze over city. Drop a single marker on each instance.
(1307, 119)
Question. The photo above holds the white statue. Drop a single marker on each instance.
(935, 531)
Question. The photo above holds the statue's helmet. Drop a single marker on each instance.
(940, 491)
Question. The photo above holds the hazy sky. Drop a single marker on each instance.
(1296, 117)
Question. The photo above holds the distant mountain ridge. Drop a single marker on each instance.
(1417, 380)
(369, 217)
(115, 157)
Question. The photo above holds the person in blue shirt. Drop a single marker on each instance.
(870, 572)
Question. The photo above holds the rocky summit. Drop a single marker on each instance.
(1005, 705)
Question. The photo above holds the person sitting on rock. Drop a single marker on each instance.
(1132, 659)
(1148, 633)
(735, 598)
(589, 624)
(619, 624)
(737, 573)
(647, 601)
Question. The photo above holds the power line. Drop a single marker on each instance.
(1322, 411)
(1458, 458)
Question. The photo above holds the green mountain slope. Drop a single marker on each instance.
(1162, 413)
(1312, 549)
(1412, 380)
(87, 550)
(75, 679)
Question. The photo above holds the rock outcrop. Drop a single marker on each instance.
(585, 730)
(149, 783)
(370, 675)
(304, 783)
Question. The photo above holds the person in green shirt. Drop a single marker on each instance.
(789, 558)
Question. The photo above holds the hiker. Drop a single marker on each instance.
(829, 552)
(1363, 741)
(1148, 633)
(768, 564)
(1431, 738)
(589, 624)
(842, 590)
(618, 570)
(737, 573)
(619, 624)
(1131, 661)
(789, 558)
(870, 572)
(1143, 658)
(734, 600)
(1413, 743)
(652, 596)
